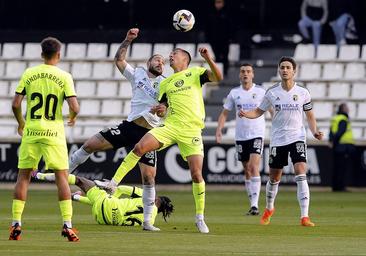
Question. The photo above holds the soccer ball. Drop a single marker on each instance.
(183, 20)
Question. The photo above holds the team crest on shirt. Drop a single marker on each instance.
(295, 97)
(179, 83)
(188, 74)
(254, 95)
(155, 84)
(196, 141)
(277, 107)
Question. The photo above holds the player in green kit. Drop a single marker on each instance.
(112, 209)
(46, 87)
(182, 94)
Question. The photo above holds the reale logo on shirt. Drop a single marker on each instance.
(179, 83)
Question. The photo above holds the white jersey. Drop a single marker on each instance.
(145, 92)
(288, 119)
(239, 98)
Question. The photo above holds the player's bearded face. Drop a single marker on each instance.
(156, 66)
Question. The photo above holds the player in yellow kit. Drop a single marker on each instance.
(46, 87)
(182, 93)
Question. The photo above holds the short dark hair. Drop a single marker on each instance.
(245, 64)
(289, 59)
(50, 46)
(184, 51)
(166, 207)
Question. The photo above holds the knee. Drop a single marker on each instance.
(139, 149)
(196, 176)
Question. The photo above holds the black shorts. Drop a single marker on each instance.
(246, 147)
(278, 156)
(127, 134)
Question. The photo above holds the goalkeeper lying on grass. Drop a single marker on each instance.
(111, 209)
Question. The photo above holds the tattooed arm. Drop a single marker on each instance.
(120, 57)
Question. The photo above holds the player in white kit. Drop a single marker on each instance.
(288, 137)
(249, 133)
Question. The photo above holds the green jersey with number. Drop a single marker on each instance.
(183, 92)
(46, 87)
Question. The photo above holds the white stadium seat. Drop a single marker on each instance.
(125, 90)
(141, 51)
(327, 52)
(349, 52)
(352, 109)
(14, 69)
(65, 66)
(167, 70)
(310, 71)
(102, 70)
(363, 54)
(81, 69)
(357, 133)
(12, 50)
(89, 107)
(5, 107)
(4, 88)
(323, 110)
(355, 71)
(332, 71)
(317, 90)
(8, 131)
(339, 90)
(112, 107)
(163, 49)
(2, 67)
(85, 89)
(304, 52)
(97, 50)
(361, 113)
(89, 131)
(358, 91)
(107, 89)
(32, 51)
(234, 52)
(76, 51)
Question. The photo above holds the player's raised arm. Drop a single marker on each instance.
(120, 57)
(214, 75)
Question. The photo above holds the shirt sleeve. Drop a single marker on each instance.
(266, 103)
(129, 72)
(229, 102)
(20, 89)
(308, 105)
(69, 87)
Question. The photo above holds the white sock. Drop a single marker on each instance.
(68, 224)
(303, 194)
(255, 184)
(199, 217)
(15, 222)
(148, 199)
(248, 189)
(271, 193)
(77, 158)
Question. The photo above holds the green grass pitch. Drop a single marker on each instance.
(340, 220)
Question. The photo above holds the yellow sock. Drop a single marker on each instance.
(17, 210)
(71, 179)
(128, 163)
(66, 210)
(199, 196)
